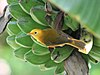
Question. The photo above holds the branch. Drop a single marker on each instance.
(4, 19)
(76, 65)
(59, 20)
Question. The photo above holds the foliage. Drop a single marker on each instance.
(28, 15)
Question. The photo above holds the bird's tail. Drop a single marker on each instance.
(80, 45)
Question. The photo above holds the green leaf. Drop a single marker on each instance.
(50, 64)
(12, 1)
(65, 27)
(95, 53)
(61, 53)
(71, 23)
(96, 41)
(11, 41)
(20, 52)
(93, 60)
(60, 68)
(44, 1)
(37, 42)
(38, 14)
(13, 28)
(24, 40)
(39, 50)
(27, 5)
(9, 32)
(36, 59)
(17, 12)
(85, 12)
(26, 24)
(85, 57)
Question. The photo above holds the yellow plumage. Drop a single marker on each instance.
(52, 38)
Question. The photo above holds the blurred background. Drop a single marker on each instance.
(11, 65)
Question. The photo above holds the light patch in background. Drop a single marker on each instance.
(3, 3)
(4, 68)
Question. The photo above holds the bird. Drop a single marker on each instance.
(52, 38)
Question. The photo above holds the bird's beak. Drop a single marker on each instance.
(29, 33)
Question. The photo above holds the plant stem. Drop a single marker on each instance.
(76, 65)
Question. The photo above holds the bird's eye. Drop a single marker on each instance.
(35, 33)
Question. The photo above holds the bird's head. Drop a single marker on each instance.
(36, 33)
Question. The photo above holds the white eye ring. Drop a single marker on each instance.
(35, 33)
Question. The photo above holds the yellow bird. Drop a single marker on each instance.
(51, 38)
